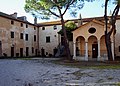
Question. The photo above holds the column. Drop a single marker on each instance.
(112, 45)
(86, 51)
(74, 50)
(98, 58)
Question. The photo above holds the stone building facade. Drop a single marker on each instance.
(18, 37)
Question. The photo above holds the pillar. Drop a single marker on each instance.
(112, 45)
(86, 51)
(74, 50)
(98, 58)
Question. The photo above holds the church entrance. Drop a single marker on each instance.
(94, 50)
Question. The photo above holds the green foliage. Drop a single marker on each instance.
(49, 8)
(70, 25)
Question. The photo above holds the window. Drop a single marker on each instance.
(32, 49)
(26, 37)
(34, 28)
(21, 24)
(34, 37)
(12, 22)
(43, 28)
(26, 26)
(21, 35)
(92, 30)
(55, 27)
(48, 39)
(119, 48)
(12, 34)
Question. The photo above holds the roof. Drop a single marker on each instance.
(95, 21)
(75, 20)
(13, 18)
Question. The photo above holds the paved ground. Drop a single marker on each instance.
(44, 73)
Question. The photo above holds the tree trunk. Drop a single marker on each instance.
(112, 29)
(107, 36)
(108, 46)
(66, 45)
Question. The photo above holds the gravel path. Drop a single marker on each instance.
(45, 73)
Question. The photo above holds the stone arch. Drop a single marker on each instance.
(80, 46)
(103, 50)
(92, 46)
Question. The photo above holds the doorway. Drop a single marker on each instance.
(12, 51)
(94, 50)
(0, 48)
(21, 52)
(27, 51)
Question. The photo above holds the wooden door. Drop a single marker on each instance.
(94, 50)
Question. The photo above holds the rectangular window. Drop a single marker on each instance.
(34, 28)
(48, 39)
(26, 26)
(26, 37)
(55, 27)
(34, 38)
(12, 22)
(21, 35)
(21, 24)
(12, 34)
(32, 49)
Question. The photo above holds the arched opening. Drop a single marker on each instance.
(103, 50)
(92, 47)
(80, 46)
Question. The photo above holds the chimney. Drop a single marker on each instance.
(80, 20)
(14, 15)
(35, 20)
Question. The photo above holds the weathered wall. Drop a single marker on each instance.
(54, 38)
(117, 38)
(7, 42)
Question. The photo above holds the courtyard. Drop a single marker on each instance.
(45, 72)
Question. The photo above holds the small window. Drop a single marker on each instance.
(34, 28)
(21, 35)
(55, 27)
(34, 38)
(43, 28)
(12, 34)
(21, 24)
(12, 22)
(119, 48)
(32, 49)
(26, 37)
(48, 39)
(92, 30)
(26, 26)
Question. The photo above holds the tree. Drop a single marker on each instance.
(69, 26)
(58, 8)
(112, 30)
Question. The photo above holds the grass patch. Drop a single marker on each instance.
(89, 64)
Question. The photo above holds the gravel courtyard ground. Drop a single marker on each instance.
(45, 73)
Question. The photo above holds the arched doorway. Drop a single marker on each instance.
(92, 47)
(103, 46)
(80, 46)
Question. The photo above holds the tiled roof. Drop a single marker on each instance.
(12, 18)
(75, 20)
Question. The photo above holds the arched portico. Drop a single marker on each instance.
(92, 47)
(89, 42)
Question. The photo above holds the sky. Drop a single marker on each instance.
(90, 9)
